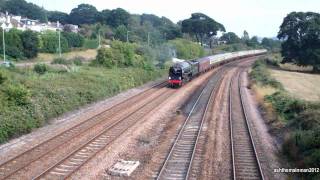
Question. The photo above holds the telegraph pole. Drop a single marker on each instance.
(148, 38)
(4, 47)
(59, 40)
(128, 36)
(99, 40)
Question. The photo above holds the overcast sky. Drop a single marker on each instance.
(258, 17)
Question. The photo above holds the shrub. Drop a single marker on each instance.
(17, 94)
(60, 61)
(260, 74)
(105, 57)
(74, 39)
(2, 78)
(49, 43)
(91, 43)
(78, 61)
(40, 68)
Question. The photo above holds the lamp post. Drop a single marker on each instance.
(148, 38)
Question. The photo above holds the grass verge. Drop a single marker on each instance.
(296, 121)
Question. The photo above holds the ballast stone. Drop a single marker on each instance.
(123, 168)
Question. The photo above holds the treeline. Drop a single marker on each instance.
(27, 44)
(110, 24)
(268, 43)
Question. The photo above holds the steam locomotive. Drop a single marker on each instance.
(182, 72)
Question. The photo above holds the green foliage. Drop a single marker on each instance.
(230, 38)
(300, 34)
(187, 49)
(30, 42)
(121, 33)
(17, 94)
(118, 17)
(74, 40)
(78, 61)
(3, 78)
(53, 94)
(200, 25)
(120, 54)
(83, 14)
(40, 68)
(23, 8)
(105, 57)
(91, 43)
(271, 44)
(60, 61)
(14, 46)
(54, 16)
(261, 75)
(50, 43)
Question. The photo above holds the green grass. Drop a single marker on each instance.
(38, 98)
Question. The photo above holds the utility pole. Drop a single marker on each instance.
(99, 40)
(4, 46)
(128, 36)
(148, 38)
(59, 40)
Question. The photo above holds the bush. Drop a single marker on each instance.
(105, 57)
(50, 43)
(60, 61)
(91, 43)
(2, 78)
(17, 94)
(40, 68)
(74, 39)
(261, 75)
(78, 61)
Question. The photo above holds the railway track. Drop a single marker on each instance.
(245, 161)
(179, 160)
(74, 160)
(17, 163)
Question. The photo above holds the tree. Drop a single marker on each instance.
(30, 10)
(55, 16)
(74, 39)
(271, 44)
(118, 17)
(200, 25)
(230, 38)
(30, 42)
(121, 33)
(245, 36)
(83, 14)
(300, 33)
(50, 43)
(253, 42)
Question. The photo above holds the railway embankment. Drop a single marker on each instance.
(29, 100)
(292, 119)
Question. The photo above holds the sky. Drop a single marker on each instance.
(259, 17)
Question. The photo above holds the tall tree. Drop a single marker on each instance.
(201, 26)
(230, 38)
(300, 32)
(118, 17)
(55, 16)
(30, 42)
(21, 7)
(83, 14)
